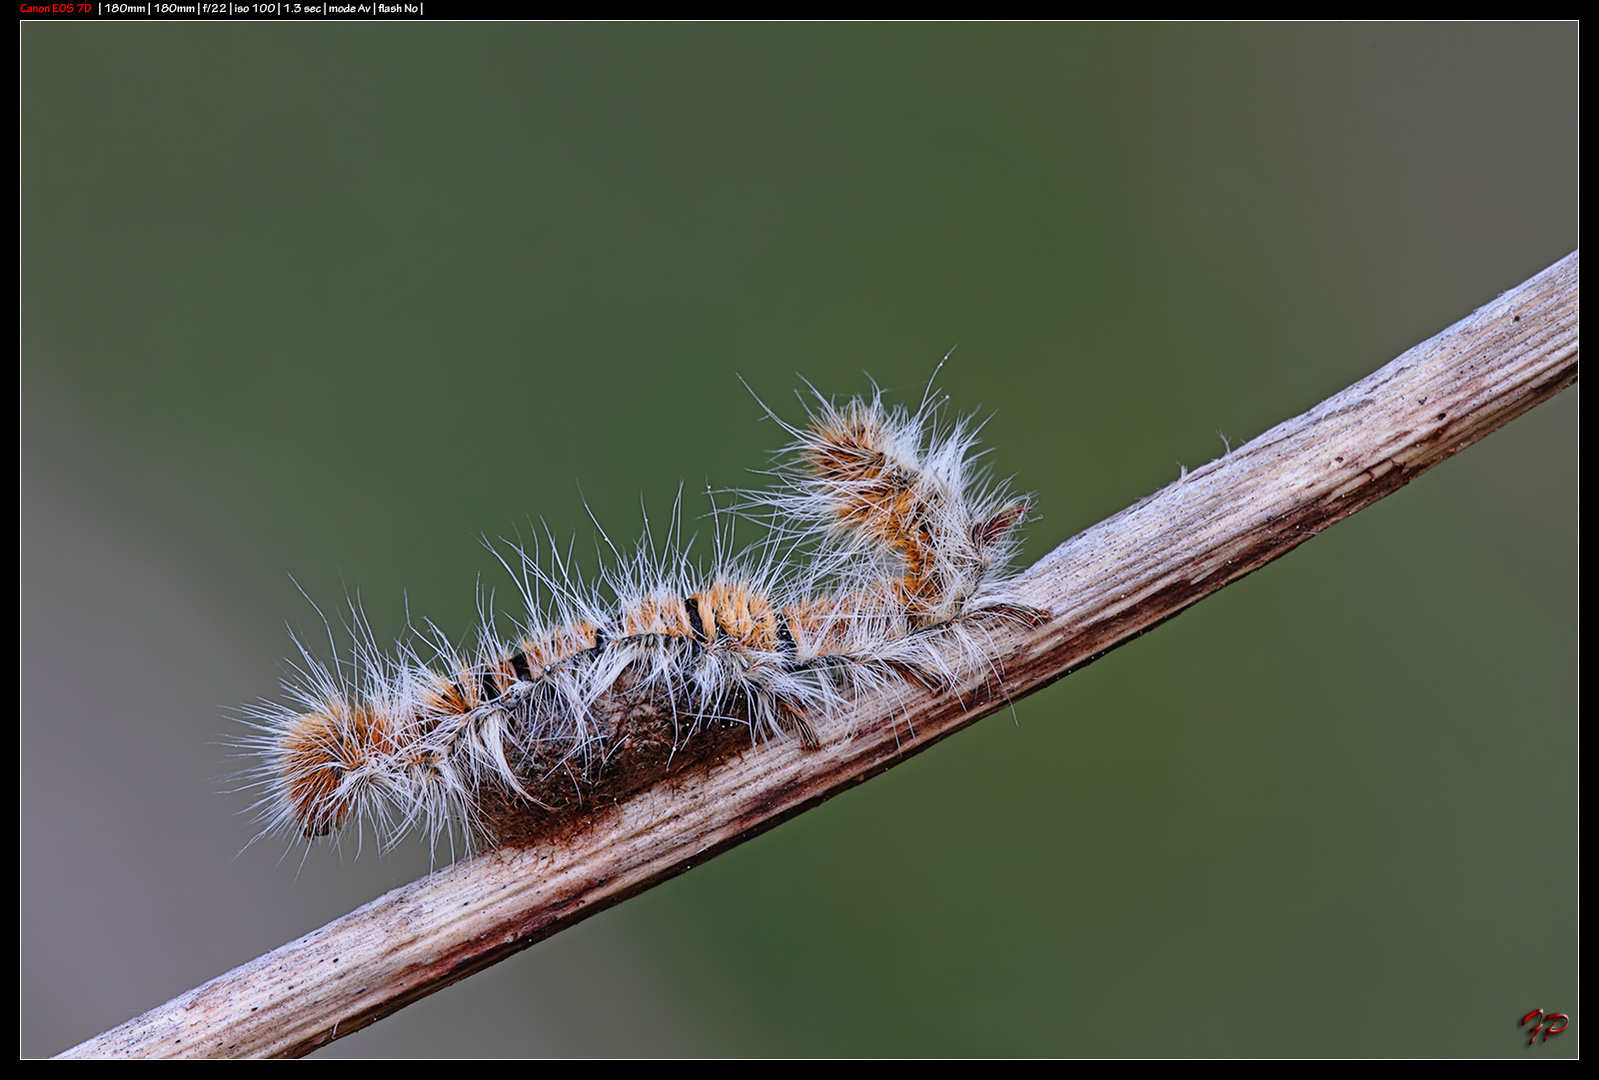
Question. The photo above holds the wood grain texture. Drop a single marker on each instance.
(1102, 588)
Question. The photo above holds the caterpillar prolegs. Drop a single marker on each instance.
(896, 547)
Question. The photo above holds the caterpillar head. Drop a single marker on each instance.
(886, 484)
(958, 548)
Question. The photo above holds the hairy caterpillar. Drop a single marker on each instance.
(895, 547)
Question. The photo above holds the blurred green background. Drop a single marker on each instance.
(336, 301)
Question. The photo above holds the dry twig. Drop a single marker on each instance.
(1104, 587)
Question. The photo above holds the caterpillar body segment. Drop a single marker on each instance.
(882, 491)
(897, 552)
